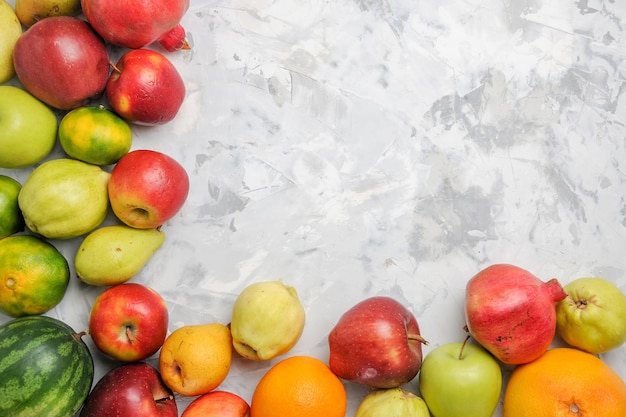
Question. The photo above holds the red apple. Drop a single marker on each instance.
(130, 390)
(376, 343)
(134, 24)
(147, 188)
(217, 404)
(145, 88)
(128, 322)
(62, 61)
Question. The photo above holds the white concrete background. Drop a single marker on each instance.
(363, 147)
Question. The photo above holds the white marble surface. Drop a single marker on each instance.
(364, 147)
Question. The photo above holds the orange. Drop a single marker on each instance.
(95, 135)
(565, 382)
(299, 386)
(33, 275)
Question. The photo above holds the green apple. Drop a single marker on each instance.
(11, 219)
(28, 128)
(460, 379)
(10, 31)
(593, 315)
(395, 402)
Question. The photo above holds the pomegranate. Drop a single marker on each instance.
(135, 24)
(511, 312)
(62, 61)
(175, 39)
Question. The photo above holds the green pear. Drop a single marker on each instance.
(10, 31)
(112, 255)
(64, 198)
(267, 320)
(593, 316)
(396, 402)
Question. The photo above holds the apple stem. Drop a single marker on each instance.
(463, 347)
(129, 334)
(168, 398)
(79, 336)
(116, 69)
(418, 338)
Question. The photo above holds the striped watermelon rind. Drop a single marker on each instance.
(45, 368)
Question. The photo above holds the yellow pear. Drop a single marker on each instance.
(31, 11)
(267, 320)
(114, 254)
(195, 359)
(10, 31)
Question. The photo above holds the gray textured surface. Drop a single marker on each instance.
(355, 148)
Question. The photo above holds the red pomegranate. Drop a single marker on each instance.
(135, 24)
(62, 61)
(511, 312)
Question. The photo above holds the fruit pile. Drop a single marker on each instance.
(512, 318)
(143, 87)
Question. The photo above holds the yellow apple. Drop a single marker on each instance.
(28, 128)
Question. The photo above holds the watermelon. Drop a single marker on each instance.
(45, 368)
